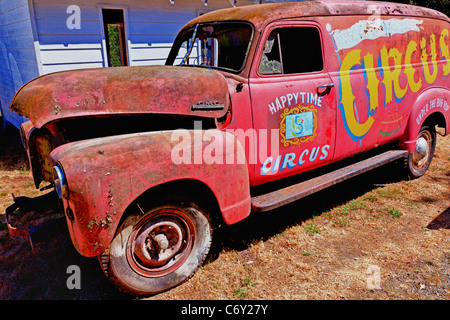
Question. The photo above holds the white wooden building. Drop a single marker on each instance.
(43, 36)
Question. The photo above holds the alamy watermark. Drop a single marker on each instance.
(230, 146)
(74, 279)
(74, 20)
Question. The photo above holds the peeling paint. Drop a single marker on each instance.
(371, 30)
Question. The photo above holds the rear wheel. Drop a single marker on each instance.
(418, 162)
(159, 249)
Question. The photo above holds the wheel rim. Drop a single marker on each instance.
(422, 151)
(160, 242)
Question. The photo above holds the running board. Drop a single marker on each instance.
(281, 197)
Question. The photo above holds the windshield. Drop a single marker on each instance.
(217, 45)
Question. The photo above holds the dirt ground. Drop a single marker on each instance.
(377, 236)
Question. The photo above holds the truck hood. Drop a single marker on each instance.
(123, 90)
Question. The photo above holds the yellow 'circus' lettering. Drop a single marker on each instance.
(354, 128)
(393, 64)
(445, 51)
(429, 77)
(372, 82)
(392, 77)
(409, 70)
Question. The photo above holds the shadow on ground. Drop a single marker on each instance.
(442, 221)
(262, 226)
(44, 273)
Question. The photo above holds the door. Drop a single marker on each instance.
(293, 102)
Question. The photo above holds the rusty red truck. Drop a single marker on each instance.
(147, 159)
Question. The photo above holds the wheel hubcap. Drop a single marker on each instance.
(160, 243)
(422, 151)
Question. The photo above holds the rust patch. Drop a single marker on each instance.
(262, 14)
(125, 90)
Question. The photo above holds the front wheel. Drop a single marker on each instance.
(158, 250)
(418, 162)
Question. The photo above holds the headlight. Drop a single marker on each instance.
(60, 181)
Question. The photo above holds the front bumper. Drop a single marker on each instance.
(40, 232)
(18, 204)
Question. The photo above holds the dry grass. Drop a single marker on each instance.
(318, 248)
(322, 247)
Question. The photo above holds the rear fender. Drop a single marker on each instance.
(432, 104)
(106, 175)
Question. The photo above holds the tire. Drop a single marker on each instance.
(158, 250)
(418, 162)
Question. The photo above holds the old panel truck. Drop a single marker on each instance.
(147, 159)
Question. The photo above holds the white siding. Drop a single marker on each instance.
(62, 48)
(151, 33)
(151, 27)
(35, 39)
(17, 53)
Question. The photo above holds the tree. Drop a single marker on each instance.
(440, 5)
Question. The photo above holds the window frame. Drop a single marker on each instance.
(176, 44)
(287, 24)
(124, 9)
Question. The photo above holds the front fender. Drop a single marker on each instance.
(105, 175)
(435, 101)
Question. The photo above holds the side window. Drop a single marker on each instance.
(292, 50)
(271, 59)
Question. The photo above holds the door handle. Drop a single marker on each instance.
(327, 88)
